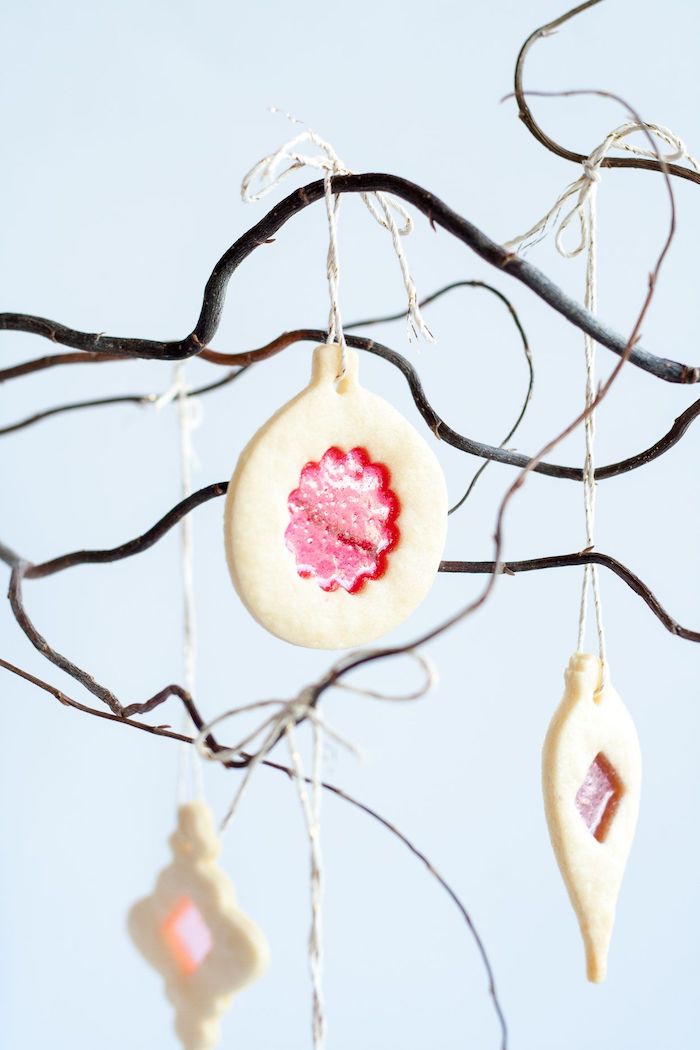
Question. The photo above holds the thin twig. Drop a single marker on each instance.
(526, 350)
(364, 658)
(134, 546)
(446, 433)
(197, 499)
(525, 113)
(41, 645)
(556, 561)
(143, 400)
(332, 789)
(144, 707)
(38, 364)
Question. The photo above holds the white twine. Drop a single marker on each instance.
(266, 176)
(188, 410)
(585, 192)
(281, 724)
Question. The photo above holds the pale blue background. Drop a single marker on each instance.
(126, 128)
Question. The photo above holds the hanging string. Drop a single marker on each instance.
(590, 573)
(335, 321)
(188, 412)
(281, 725)
(581, 187)
(269, 172)
(585, 192)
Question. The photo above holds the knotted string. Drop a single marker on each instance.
(584, 208)
(281, 725)
(269, 172)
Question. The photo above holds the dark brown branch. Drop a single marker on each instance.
(439, 427)
(165, 731)
(361, 658)
(178, 512)
(555, 561)
(437, 212)
(150, 399)
(493, 568)
(39, 642)
(142, 400)
(135, 546)
(75, 406)
(9, 556)
(38, 364)
(525, 113)
(364, 658)
(68, 701)
(526, 350)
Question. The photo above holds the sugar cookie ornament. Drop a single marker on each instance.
(336, 514)
(591, 778)
(194, 933)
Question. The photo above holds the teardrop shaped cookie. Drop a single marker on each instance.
(336, 514)
(591, 778)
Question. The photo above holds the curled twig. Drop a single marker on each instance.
(22, 570)
(364, 658)
(332, 789)
(442, 430)
(525, 113)
(526, 350)
(218, 358)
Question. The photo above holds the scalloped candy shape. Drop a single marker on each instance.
(326, 601)
(342, 520)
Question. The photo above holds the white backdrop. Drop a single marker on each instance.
(126, 130)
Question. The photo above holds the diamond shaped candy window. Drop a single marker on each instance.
(187, 935)
(599, 796)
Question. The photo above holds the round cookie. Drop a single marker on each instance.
(336, 515)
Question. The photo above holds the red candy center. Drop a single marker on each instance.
(187, 935)
(342, 520)
(599, 796)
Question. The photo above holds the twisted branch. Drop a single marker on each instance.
(437, 212)
(332, 789)
(588, 557)
(525, 113)
(105, 347)
(22, 569)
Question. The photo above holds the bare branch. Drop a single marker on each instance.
(164, 731)
(143, 400)
(555, 561)
(39, 642)
(363, 658)
(437, 212)
(525, 113)
(135, 546)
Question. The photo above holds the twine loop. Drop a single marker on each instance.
(584, 187)
(273, 169)
(281, 725)
(584, 209)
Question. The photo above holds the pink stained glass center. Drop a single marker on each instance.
(599, 796)
(187, 935)
(342, 520)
